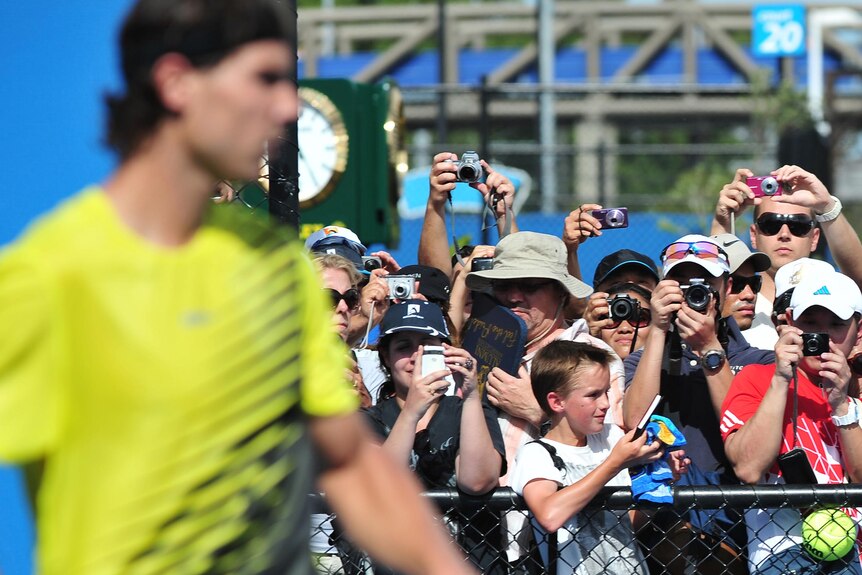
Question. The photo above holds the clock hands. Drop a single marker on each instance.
(309, 169)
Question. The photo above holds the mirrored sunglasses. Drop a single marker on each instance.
(643, 320)
(799, 225)
(350, 297)
(741, 282)
(700, 250)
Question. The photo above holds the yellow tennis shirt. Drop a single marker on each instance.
(166, 391)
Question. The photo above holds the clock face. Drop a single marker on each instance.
(323, 146)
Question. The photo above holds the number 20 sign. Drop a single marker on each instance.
(778, 30)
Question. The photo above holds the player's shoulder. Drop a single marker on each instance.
(63, 235)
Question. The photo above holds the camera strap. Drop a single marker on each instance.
(795, 405)
(490, 207)
(637, 327)
(674, 353)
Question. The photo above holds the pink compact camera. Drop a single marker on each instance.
(766, 186)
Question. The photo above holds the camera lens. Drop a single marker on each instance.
(697, 297)
(371, 265)
(614, 218)
(467, 173)
(814, 343)
(769, 186)
(621, 309)
(400, 291)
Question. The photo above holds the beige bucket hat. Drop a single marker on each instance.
(523, 255)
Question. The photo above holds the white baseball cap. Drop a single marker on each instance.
(716, 265)
(335, 235)
(792, 274)
(833, 291)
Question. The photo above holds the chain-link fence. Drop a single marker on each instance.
(782, 536)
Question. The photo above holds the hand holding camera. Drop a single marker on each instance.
(442, 179)
(665, 303)
(597, 313)
(580, 225)
(803, 189)
(375, 295)
(733, 199)
(697, 328)
(497, 190)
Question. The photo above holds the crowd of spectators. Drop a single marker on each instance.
(714, 327)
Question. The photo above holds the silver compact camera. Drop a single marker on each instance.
(401, 287)
(469, 169)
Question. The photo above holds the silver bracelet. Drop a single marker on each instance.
(831, 214)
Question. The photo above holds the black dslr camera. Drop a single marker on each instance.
(697, 294)
(623, 308)
(815, 343)
(469, 169)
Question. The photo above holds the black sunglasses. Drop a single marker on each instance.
(799, 225)
(350, 297)
(643, 320)
(741, 282)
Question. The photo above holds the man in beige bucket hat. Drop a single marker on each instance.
(529, 276)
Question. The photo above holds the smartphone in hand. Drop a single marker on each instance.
(639, 430)
(433, 360)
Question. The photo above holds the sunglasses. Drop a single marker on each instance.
(527, 287)
(741, 282)
(700, 250)
(350, 297)
(799, 225)
(643, 320)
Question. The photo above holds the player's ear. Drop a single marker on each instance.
(171, 75)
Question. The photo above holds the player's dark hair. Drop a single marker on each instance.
(204, 31)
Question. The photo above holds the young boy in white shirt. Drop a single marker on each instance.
(559, 474)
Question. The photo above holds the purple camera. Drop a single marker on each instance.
(612, 217)
(766, 186)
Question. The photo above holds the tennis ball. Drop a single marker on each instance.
(828, 534)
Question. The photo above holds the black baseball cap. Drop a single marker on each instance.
(622, 258)
(415, 315)
(433, 283)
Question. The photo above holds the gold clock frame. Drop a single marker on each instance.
(320, 101)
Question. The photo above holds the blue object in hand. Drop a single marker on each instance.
(652, 481)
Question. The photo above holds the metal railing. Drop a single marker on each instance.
(666, 540)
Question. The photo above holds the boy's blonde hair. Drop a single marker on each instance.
(557, 366)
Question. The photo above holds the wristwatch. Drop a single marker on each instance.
(849, 418)
(712, 359)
